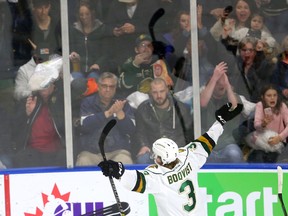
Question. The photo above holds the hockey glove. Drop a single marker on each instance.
(112, 168)
(226, 112)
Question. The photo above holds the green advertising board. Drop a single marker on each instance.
(239, 192)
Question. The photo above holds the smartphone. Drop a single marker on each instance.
(268, 111)
(228, 10)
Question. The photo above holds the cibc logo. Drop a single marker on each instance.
(57, 204)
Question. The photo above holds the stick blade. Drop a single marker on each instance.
(108, 127)
(280, 179)
(111, 210)
(280, 187)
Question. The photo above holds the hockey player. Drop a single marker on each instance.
(173, 179)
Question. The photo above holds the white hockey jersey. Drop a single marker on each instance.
(176, 190)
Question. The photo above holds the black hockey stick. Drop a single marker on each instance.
(108, 127)
(156, 16)
(111, 210)
(280, 186)
(104, 133)
(160, 48)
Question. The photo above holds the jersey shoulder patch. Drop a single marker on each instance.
(192, 146)
(189, 147)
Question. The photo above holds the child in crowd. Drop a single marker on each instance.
(271, 127)
(257, 29)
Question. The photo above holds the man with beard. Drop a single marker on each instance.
(161, 116)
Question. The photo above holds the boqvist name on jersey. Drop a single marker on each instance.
(179, 175)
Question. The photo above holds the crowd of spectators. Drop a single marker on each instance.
(122, 69)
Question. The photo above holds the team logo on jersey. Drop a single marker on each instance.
(192, 146)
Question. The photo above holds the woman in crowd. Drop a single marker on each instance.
(240, 17)
(180, 34)
(251, 70)
(271, 124)
(86, 43)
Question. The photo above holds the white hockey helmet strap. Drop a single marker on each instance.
(165, 148)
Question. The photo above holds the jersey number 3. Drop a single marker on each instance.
(190, 193)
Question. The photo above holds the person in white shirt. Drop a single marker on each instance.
(175, 173)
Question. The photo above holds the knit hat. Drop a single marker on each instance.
(143, 37)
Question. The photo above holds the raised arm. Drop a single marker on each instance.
(207, 93)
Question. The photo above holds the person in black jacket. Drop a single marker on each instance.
(161, 116)
(126, 20)
(45, 33)
(86, 43)
(40, 128)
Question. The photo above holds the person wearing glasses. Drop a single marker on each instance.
(98, 109)
(251, 70)
(138, 68)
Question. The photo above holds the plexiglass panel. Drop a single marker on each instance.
(135, 61)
